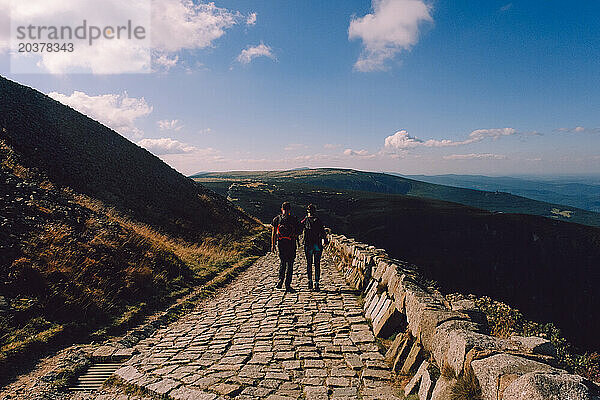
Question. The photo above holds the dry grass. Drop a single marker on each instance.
(447, 372)
(202, 258)
(83, 267)
(466, 387)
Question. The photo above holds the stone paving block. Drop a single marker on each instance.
(185, 393)
(226, 389)
(391, 353)
(163, 387)
(206, 382)
(354, 361)
(412, 385)
(282, 376)
(376, 374)
(337, 381)
(411, 359)
(345, 392)
(104, 352)
(315, 393)
(280, 397)
(314, 363)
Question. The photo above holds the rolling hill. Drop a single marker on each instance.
(386, 183)
(545, 267)
(95, 231)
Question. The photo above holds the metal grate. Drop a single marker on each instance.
(95, 376)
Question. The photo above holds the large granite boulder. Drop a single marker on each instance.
(497, 372)
(535, 345)
(547, 386)
(454, 339)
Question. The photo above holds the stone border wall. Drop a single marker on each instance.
(444, 349)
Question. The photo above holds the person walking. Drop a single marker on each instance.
(314, 238)
(284, 238)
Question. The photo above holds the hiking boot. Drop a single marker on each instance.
(310, 285)
(317, 288)
(279, 285)
(290, 289)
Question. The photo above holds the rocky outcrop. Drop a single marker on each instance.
(441, 345)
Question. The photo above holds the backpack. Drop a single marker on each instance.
(312, 230)
(286, 229)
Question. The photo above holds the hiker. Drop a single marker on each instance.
(314, 238)
(284, 237)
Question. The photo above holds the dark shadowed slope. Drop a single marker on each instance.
(386, 183)
(76, 151)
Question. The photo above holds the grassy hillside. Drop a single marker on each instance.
(385, 183)
(96, 232)
(546, 268)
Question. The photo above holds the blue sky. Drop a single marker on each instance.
(494, 87)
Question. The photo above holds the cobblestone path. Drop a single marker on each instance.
(252, 341)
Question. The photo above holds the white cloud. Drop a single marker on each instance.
(392, 27)
(169, 125)
(117, 111)
(164, 145)
(331, 146)
(174, 26)
(4, 26)
(182, 24)
(295, 147)
(579, 129)
(104, 56)
(359, 153)
(481, 134)
(506, 7)
(251, 19)
(252, 52)
(401, 140)
(164, 61)
(474, 156)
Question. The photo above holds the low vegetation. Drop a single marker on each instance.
(506, 321)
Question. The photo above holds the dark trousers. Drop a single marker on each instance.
(313, 255)
(287, 254)
(285, 271)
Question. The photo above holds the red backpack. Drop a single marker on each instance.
(286, 229)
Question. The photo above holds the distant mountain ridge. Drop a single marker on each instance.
(393, 184)
(571, 192)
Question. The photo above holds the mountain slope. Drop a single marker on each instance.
(96, 232)
(76, 151)
(546, 268)
(386, 183)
